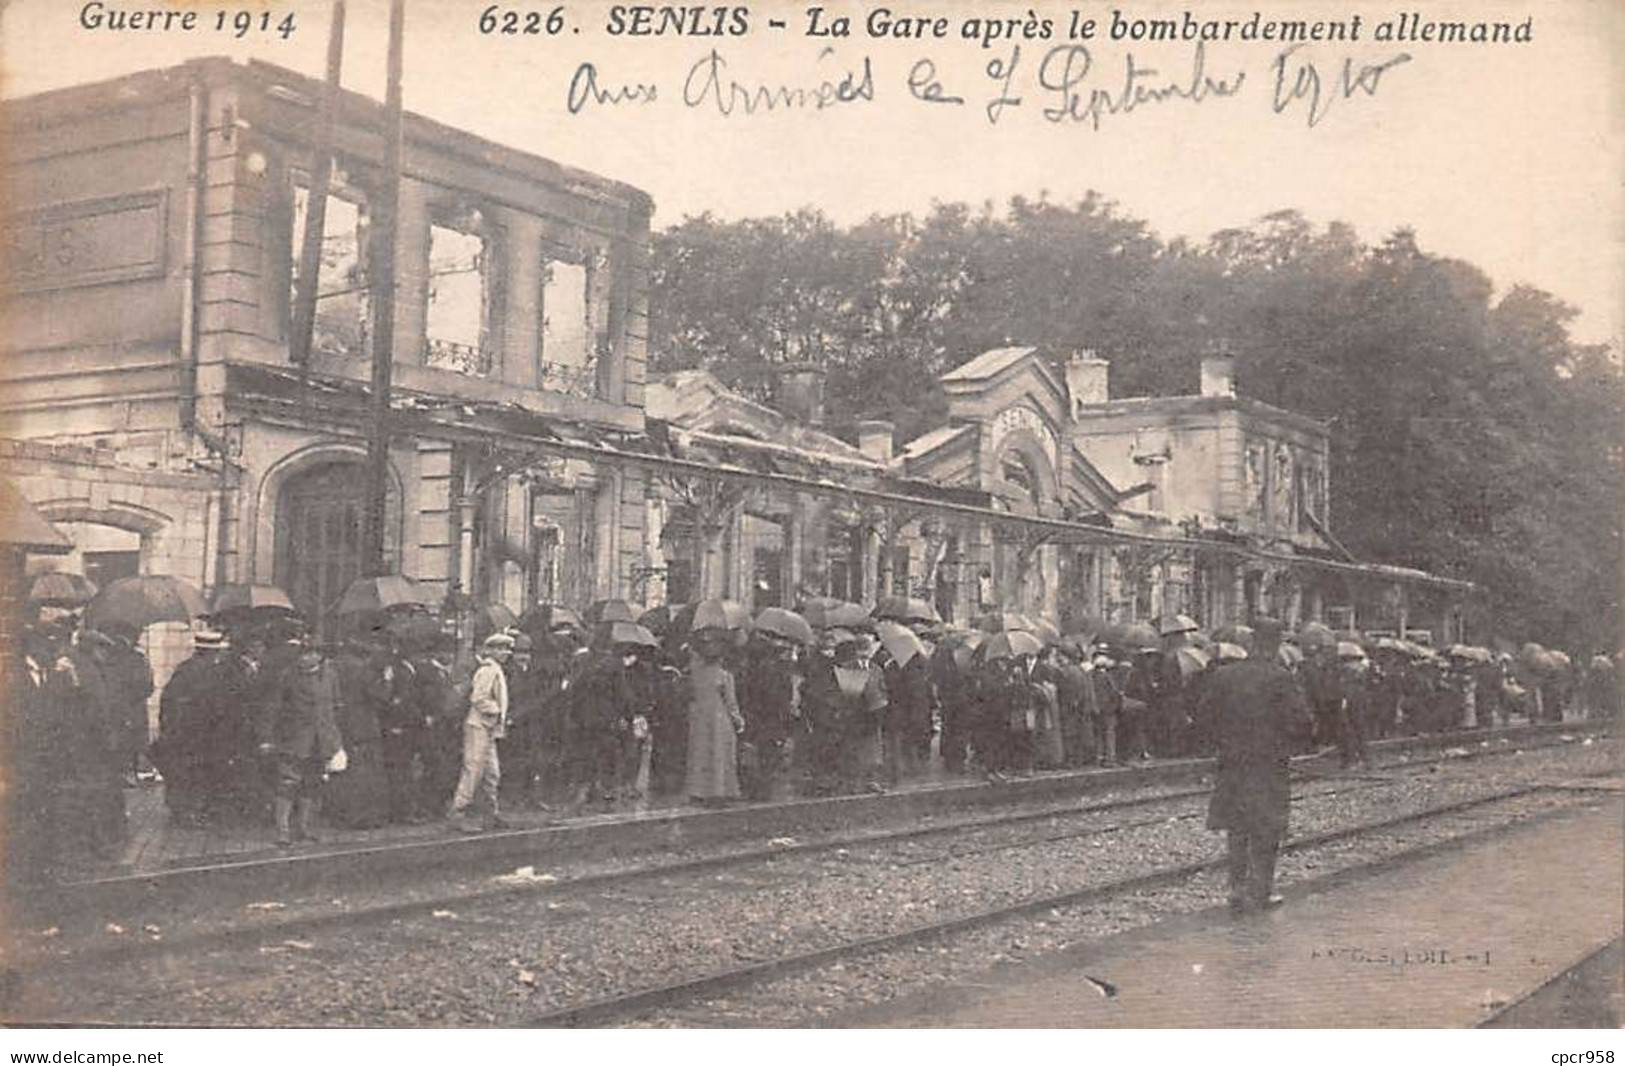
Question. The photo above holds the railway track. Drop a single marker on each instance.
(636, 1003)
(62, 960)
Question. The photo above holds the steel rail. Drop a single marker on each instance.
(227, 938)
(642, 1000)
(392, 856)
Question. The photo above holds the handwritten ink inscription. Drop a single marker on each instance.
(1298, 80)
(1069, 84)
(87, 242)
(1065, 69)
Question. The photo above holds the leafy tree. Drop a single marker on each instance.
(1470, 435)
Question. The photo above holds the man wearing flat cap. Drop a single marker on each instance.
(1260, 718)
(486, 724)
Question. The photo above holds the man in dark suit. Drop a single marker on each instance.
(1260, 718)
(439, 706)
(299, 725)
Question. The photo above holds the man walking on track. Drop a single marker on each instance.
(1260, 718)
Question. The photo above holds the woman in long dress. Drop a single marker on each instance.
(714, 722)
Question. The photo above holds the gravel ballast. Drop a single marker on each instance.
(505, 961)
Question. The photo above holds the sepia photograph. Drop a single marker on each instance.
(841, 516)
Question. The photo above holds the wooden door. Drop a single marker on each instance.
(321, 518)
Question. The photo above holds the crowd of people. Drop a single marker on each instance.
(76, 734)
(561, 713)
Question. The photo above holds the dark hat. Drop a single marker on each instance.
(522, 642)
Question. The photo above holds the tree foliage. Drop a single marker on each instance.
(1471, 435)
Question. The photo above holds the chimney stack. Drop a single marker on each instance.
(1218, 373)
(874, 439)
(1087, 378)
(798, 392)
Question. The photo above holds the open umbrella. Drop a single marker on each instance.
(1227, 652)
(1190, 661)
(1139, 636)
(663, 620)
(962, 646)
(1469, 653)
(905, 609)
(233, 598)
(1080, 644)
(1112, 634)
(719, 614)
(1561, 659)
(548, 616)
(1003, 622)
(821, 614)
(1317, 635)
(416, 632)
(1009, 644)
(1179, 623)
(1234, 634)
(1348, 649)
(143, 601)
(1529, 655)
(610, 633)
(383, 593)
(609, 611)
(785, 623)
(58, 588)
(899, 641)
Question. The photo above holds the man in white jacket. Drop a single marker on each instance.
(486, 722)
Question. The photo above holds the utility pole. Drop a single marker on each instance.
(321, 179)
(385, 215)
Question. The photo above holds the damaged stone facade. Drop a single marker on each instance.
(154, 221)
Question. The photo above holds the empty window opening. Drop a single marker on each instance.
(457, 326)
(568, 359)
(343, 300)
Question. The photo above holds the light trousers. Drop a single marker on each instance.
(481, 771)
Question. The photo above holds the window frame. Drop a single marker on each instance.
(342, 185)
(486, 355)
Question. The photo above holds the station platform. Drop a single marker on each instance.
(1455, 939)
(171, 861)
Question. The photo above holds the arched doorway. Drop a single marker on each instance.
(1024, 574)
(320, 512)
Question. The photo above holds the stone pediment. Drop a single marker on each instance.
(998, 383)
